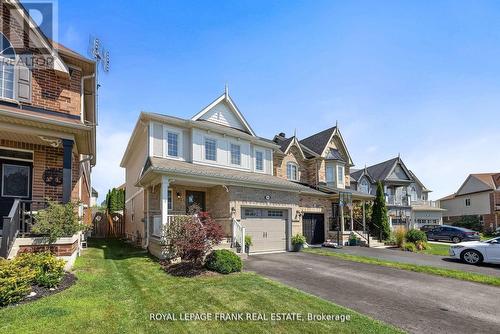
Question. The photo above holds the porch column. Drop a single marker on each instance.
(351, 212)
(164, 200)
(67, 166)
(364, 216)
(342, 222)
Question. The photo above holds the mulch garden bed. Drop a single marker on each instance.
(67, 281)
(186, 269)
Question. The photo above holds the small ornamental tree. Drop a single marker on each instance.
(380, 221)
(57, 221)
(192, 238)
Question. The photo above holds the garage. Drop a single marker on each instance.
(267, 227)
(313, 228)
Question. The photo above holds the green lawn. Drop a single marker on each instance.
(457, 274)
(118, 287)
(437, 249)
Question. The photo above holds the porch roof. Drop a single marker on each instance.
(217, 175)
(355, 194)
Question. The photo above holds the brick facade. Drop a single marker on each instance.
(49, 90)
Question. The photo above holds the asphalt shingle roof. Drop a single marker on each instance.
(318, 141)
(190, 169)
(377, 172)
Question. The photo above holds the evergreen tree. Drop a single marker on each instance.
(380, 220)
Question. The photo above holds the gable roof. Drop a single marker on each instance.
(287, 143)
(382, 170)
(228, 101)
(479, 182)
(317, 142)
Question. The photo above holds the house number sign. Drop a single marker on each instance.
(267, 197)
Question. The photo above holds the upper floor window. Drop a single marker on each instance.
(172, 144)
(7, 61)
(413, 192)
(340, 175)
(292, 171)
(210, 149)
(235, 154)
(329, 174)
(259, 160)
(467, 202)
(364, 186)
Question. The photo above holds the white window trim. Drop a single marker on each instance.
(19, 150)
(14, 78)
(340, 180)
(29, 183)
(204, 157)
(297, 176)
(230, 160)
(263, 170)
(180, 139)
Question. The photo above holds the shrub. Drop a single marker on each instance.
(248, 240)
(46, 268)
(415, 235)
(15, 282)
(400, 236)
(223, 261)
(422, 245)
(471, 222)
(56, 221)
(192, 239)
(298, 239)
(391, 241)
(409, 246)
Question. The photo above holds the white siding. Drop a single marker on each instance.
(223, 150)
(221, 114)
(159, 141)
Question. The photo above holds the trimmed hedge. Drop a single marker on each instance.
(223, 261)
(15, 282)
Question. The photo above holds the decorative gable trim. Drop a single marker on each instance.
(297, 144)
(403, 166)
(336, 132)
(233, 108)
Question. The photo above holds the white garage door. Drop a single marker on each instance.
(267, 227)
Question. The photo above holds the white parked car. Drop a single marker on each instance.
(475, 252)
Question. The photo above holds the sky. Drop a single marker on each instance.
(415, 78)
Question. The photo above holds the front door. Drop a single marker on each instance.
(15, 182)
(195, 197)
(313, 228)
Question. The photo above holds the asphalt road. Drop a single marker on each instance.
(415, 302)
(420, 259)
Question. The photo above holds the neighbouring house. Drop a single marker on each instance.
(267, 189)
(93, 197)
(478, 196)
(406, 196)
(47, 129)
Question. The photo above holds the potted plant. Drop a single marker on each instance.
(248, 243)
(353, 239)
(298, 242)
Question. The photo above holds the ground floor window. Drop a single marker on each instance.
(15, 180)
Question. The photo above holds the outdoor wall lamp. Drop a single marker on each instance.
(178, 195)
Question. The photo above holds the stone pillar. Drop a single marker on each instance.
(67, 166)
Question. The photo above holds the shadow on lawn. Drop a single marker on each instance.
(115, 249)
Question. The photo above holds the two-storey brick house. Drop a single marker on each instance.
(216, 160)
(47, 121)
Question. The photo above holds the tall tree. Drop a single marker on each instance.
(379, 213)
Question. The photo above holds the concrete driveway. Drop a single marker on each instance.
(415, 302)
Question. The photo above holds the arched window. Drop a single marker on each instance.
(364, 186)
(413, 192)
(292, 171)
(7, 61)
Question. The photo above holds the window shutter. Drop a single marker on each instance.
(23, 83)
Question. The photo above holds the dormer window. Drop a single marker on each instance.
(7, 61)
(364, 186)
(292, 171)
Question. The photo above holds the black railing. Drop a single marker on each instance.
(10, 229)
(27, 215)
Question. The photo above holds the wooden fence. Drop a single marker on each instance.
(108, 225)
